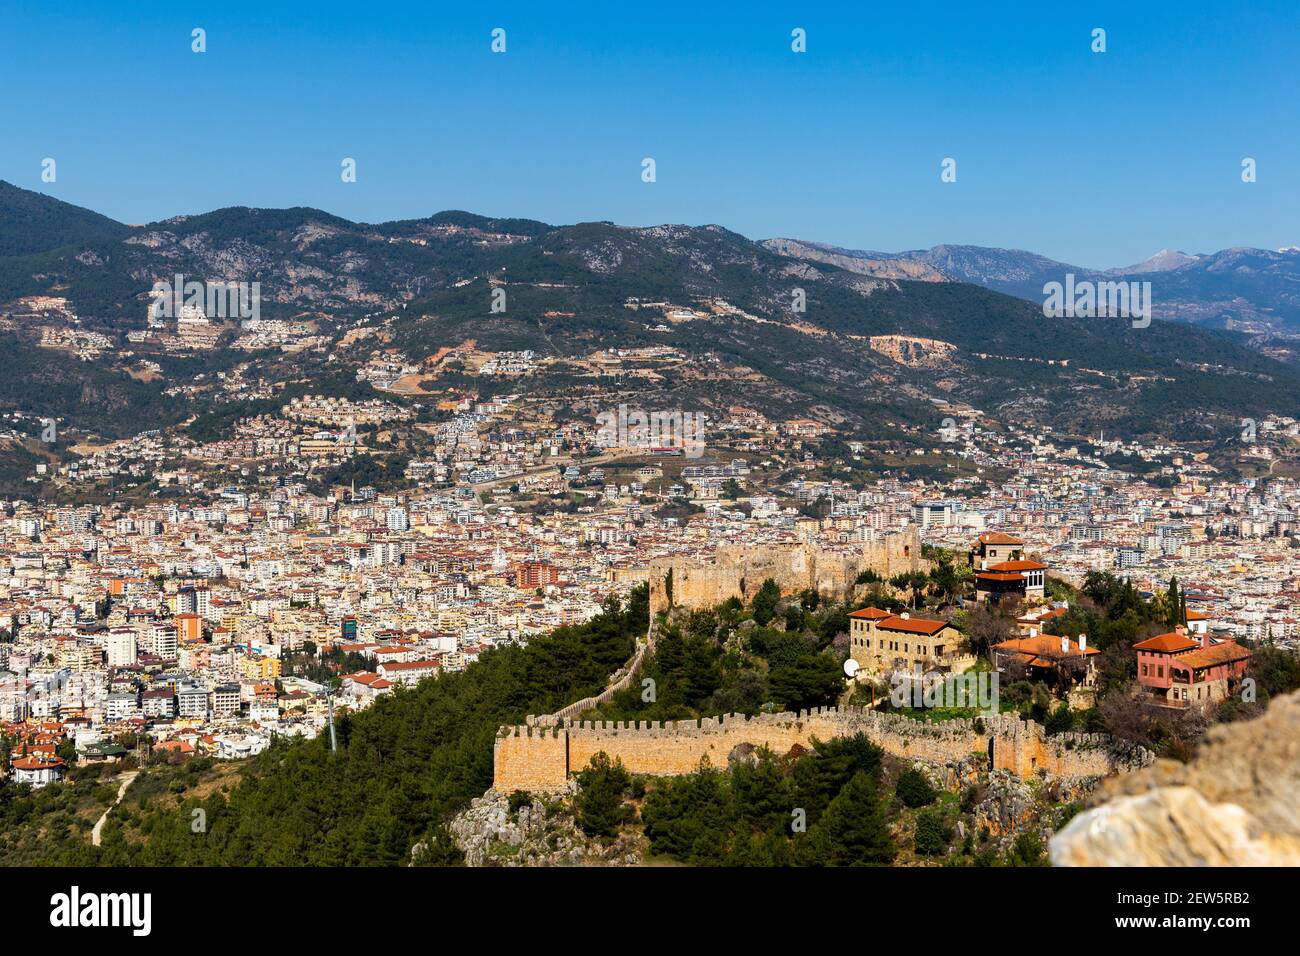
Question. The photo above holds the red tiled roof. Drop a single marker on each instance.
(409, 665)
(1166, 643)
(870, 614)
(1045, 646)
(1226, 653)
(1018, 566)
(997, 537)
(36, 763)
(912, 625)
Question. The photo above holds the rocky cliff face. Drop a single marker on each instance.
(862, 263)
(1236, 804)
(538, 833)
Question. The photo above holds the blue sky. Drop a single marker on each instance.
(1096, 159)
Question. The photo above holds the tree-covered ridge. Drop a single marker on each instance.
(44, 382)
(402, 767)
(737, 659)
(31, 223)
(823, 808)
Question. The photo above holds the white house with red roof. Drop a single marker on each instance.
(408, 673)
(1021, 579)
(364, 686)
(38, 769)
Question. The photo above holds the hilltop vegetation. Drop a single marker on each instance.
(31, 224)
(844, 802)
(706, 664)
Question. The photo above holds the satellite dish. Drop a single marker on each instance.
(851, 667)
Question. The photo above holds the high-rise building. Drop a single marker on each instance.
(536, 574)
(120, 647)
(397, 519)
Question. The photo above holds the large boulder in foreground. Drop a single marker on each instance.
(1236, 804)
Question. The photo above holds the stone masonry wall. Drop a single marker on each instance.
(534, 759)
(739, 571)
(531, 757)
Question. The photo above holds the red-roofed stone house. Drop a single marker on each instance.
(1179, 669)
(994, 546)
(880, 641)
(1046, 656)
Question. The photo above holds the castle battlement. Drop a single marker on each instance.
(541, 754)
(737, 570)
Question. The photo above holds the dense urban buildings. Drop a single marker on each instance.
(224, 618)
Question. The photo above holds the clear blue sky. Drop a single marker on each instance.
(1097, 159)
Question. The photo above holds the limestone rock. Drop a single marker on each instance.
(1171, 826)
(489, 833)
(1007, 804)
(1236, 804)
(746, 754)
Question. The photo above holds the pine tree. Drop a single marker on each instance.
(933, 833)
(853, 831)
(764, 603)
(914, 790)
(599, 803)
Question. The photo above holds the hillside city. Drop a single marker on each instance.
(253, 604)
(641, 452)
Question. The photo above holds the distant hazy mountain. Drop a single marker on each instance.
(877, 264)
(1165, 260)
(1251, 290)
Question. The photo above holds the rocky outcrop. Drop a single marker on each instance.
(914, 352)
(1007, 805)
(538, 833)
(1236, 804)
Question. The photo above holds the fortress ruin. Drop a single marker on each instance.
(740, 570)
(540, 755)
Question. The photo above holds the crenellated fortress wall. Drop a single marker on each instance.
(540, 755)
(740, 570)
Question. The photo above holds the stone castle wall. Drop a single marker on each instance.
(534, 759)
(740, 570)
(540, 755)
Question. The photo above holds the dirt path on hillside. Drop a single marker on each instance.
(127, 779)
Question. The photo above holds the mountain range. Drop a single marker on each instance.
(879, 346)
(1251, 290)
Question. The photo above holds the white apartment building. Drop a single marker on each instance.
(120, 647)
(120, 707)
